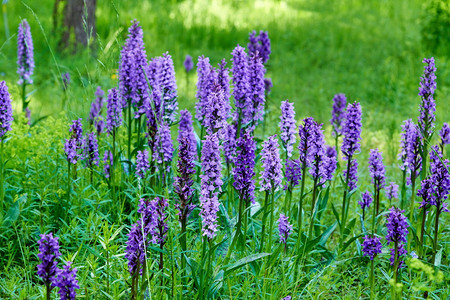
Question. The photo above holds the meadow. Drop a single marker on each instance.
(195, 196)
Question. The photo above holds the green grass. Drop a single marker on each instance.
(369, 50)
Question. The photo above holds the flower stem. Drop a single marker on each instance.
(411, 209)
(372, 285)
(2, 178)
(272, 200)
(436, 231)
(263, 230)
(313, 204)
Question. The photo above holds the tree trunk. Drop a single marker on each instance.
(79, 23)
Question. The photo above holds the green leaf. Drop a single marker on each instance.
(335, 213)
(437, 261)
(244, 261)
(350, 241)
(322, 203)
(326, 234)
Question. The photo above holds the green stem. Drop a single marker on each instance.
(411, 209)
(422, 230)
(68, 182)
(394, 287)
(130, 120)
(300, 205)
(263, 230)
(436, 231)
(403, 200)
(113, 164)
(313, 204)
(238, 230)
(372, 285)
(2, 178)
(271, 220)
(344, 199)
(24, 96)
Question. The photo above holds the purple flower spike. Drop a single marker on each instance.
(240, 78)
(371, 246)
(330, 163)
(427, 193)
(67, 281)
(91, 150)
(284, 228)
(163, 150)
(65, 80)
(107, 163)
(293, 173)
(113, 112)
(244, 171)
(203, 86)
(392, 191)
(444, 133)
(397, 229)
(256, 91)
(366, 200)
(187, 131)
(440, 175)
(133, 88)
(48, 254)
(77, 132)
(229, 144)
(6, 113)
(159, 211)
(142, 164)
(211, 185)
(351, 130)
(376, 169)
(307, 132)
(259, 44)
(426, 92)
(70, 148)
(287, 298)
(353, 175)
(188, 63)
(224, 80)
(272, 174)
(183, 181)
(169, 88)
(268, 85)
(25, 58)
(216, 111)
(338, 114)
(287, 126)
(411, 147)
(95, 115)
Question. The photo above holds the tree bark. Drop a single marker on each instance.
(79, 23)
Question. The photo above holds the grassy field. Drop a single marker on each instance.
(370, 50)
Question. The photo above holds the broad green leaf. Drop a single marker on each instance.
(244, 261)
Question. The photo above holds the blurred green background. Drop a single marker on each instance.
(369, 50)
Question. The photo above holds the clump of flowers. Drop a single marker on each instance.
(188, 63)
(142, 163)
(25, 57)
(366, 201)
(48, 254)
(259, 45)
(284, 228)
(371, 246)
(287, 127)
(67, 281)
(397, 229)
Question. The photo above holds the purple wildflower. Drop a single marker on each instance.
(244, 170)
(240, 78)
(426, 92)
(163, 148)
(330, 163)
(28, 115)
(203, 86)
(223, 79)
(77, 132)
(95, 115)
(133, 86)
(407, 127)
(366, 200)
(272, 174)
(293, 173)
(392, 191)
(65, 80)
(186, 130)
(91, 150)
(318, 161)
(159, 210)
(169, 88)
(427, 193)
(413, 147)
(67, 281)
(229, 143)
(188, 63)
(107, 163)
(255, 111)
(351, 129)
(284, 228)
(211, 185)
(25, 59)
(307, 132)
(397, 229)
(376, 169)
(287, 126)
(6, 113)
(287, 298)
(353, 175)
(444, 133)
(338, 114)
(268, 85)
(113, 112)
(48, 254)
(440, 175)
(259, 44)
(70, 148)
(216, 111)
(371, 246)
(183, 181)
(142, 164)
